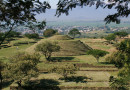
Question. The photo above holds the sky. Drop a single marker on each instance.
(77, 14)
(54, 2)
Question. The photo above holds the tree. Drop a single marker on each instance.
(22, 67)
(49, 32)
(124, 46)
(121, 59)
(46, 48)
(32, 36)
(12, 34)
(110, 37)
(64, 70)
(1, 36)
(1, 77)
(122, 7)
(74, 32)
(117, 58)
(97, 53)
(121, 34)
(17, 12)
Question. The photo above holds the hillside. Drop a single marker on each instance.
(69, 46)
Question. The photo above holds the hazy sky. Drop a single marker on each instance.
(76, 14)
(54, 2)
(86, 13)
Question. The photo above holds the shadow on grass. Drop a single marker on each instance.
(44, 84)
(60, 59)
(5, 46)
(105, 63)
(6, 84)
(76, 79)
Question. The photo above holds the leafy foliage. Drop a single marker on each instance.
(124, 46)
(64, 70)
(121, 34)
(123, 79)
(32, 36)
(117, 58)
(17, 12)
(119, 84)
(122, 7)
(110, 37)
(97, 53)
(49, 32)
(1, 76)
(121, 59)
(74, 32)
(46, 48)
(1, 36)
(22, 67)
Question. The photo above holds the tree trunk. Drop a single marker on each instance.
(97, 60)
(19, 85)
(1, 81)
(11, 28)
(65, 76)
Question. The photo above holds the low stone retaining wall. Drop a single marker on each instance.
(64, 88)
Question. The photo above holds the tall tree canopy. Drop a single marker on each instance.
(17, 12)
(122, 7)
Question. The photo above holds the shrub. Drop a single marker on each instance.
(46, 48)
(110, 37)
(64, 70)
(49, 32)
(121, 34)
(22, 67)
(32, 36)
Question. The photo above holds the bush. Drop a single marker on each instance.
(64, 70)
(49, 33)
(32, 36)
(22, 67)
(13, 34)
(110, 37)
(121, 34)
(116, 58)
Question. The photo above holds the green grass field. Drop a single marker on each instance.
(99, 78)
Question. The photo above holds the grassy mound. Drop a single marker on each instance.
(69, 47)
(60, 37)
